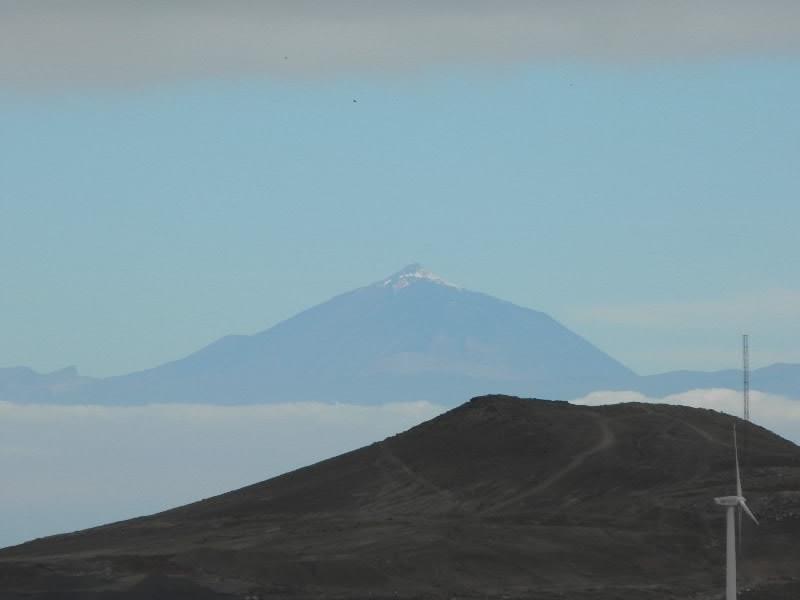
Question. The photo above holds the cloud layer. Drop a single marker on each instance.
(776, 413)
(50, 42)
(70, 467)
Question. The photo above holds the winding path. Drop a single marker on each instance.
(392, 458)
(607, 439)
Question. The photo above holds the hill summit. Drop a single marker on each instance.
(409, 274)
(500, 497)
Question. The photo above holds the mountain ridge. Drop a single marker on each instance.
(409, 336)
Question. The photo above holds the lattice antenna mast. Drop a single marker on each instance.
(746, 372)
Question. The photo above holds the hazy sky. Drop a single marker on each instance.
(172, 172)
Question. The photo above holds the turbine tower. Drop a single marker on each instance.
(731, 503)
(746, 372)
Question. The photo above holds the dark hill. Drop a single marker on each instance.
(500, 497)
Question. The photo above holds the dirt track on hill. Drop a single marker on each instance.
(498, 498)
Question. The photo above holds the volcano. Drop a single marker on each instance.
(409, 336)
(499, 497)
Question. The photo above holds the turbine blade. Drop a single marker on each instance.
(736, 453)
(747, 510)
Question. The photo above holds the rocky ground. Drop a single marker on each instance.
(499, 498)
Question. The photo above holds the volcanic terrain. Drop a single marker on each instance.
(501, 497)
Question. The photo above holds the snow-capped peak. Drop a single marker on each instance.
(411, 273)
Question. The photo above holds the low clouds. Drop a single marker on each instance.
(103, 42)
(776, 413)
(70, 467)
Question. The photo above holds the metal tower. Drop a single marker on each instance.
(746, 371)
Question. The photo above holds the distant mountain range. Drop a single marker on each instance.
(498, 498)
(411, 336)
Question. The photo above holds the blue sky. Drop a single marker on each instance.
(645, 200)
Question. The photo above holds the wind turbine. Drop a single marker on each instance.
(732, 502)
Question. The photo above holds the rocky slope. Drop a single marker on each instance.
(500, 497)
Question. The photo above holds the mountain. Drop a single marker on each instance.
(499, 498)
(779, 378)
(24, 384)
(410, 336)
